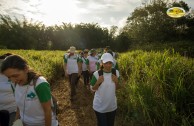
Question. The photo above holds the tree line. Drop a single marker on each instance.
(148, 23)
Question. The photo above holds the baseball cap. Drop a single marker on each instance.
(106, 57)
(72, 49)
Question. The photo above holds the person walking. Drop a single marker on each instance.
(92, 62)
(72, 67)
(85, 68)
(104, 86)
(32, 93)
(7, 100)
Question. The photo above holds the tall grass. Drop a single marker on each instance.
(47, 63)
(159, 88)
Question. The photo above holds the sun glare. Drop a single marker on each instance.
(58, 11)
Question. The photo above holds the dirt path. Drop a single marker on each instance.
(80, 112)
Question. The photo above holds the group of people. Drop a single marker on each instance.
(25, 95)
(100, 74)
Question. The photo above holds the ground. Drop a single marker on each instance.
(79, 112)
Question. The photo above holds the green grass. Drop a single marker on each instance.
(47, 63)
(159, 88)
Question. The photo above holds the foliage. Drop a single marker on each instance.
(158, 88)
(47, 63)
(16, 34)
(150, 23)
(184, 48)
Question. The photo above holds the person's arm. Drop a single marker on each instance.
(47, 112)
(98, 83)
(44, 95)
(65, 66)
(79, 62)
(17, 116)
(115, 80)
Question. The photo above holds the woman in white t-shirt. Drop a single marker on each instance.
(105, 85)
(32, 93)
(92, 62)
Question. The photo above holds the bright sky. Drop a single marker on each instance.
(104, 12)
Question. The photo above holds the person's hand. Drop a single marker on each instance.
(100, 79)
(115, 79)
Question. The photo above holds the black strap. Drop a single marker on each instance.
(100, 72)
(114, 71)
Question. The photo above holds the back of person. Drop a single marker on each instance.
(7, 100)
(92, 63)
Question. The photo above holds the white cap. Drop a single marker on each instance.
(72, 49)
(106, 57)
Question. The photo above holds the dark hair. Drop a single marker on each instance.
(17, 62)
(5, 55)
(109, 51)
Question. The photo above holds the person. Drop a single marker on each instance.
(104, 86)
(32, 93)
(85, 68)
(92, 62)
(7, 101)
(72, 67)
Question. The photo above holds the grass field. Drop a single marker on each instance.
(158, 87)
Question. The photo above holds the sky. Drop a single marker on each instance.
(50, 12)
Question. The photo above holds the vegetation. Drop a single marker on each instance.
(47, 63)
(148, 23)
(158, 90)
(158, 87)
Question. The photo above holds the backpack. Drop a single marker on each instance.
(54, 103)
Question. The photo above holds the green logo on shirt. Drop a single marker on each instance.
(31, 95)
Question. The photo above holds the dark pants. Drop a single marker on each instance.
(73, 82)
(86, 77)
(4, 118)
(105, 119)
(12, 118)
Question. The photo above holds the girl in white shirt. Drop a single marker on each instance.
(105, 85)
(32, 93)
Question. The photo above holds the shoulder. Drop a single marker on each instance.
(96, 74)
(41, 80)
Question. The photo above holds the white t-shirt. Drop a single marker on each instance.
(72, 64)
(7, 100)
(85, 62)
(92, 63)
(105, 97)
(28, 102)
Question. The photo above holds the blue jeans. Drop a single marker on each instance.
(105, 119)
